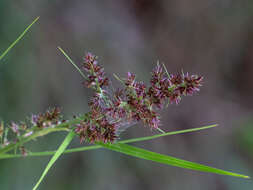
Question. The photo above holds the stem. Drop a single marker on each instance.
(162, 131)
(93, 147)
(41, 132)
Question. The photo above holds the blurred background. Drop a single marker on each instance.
(213, 38)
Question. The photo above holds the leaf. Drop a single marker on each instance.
(19, 38)
(57, 154)
(72, 62)
(168, 133)
(164, 159)
(92, 147)
(153, 156)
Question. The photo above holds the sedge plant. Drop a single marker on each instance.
(111, 112)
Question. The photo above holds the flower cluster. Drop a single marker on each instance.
(96, 128)
(49, 118)
(96, 76)
(112, 111)
(138, 104)
(172, 87)
(115, 110)
(20, 130)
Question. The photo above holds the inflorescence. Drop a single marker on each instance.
(112, 111)
(50, 119)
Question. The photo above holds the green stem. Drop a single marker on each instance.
(93, 147)
(40, 132)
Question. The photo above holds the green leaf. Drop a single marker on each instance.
(92, 147)
(143, 153)
(72, 62)
(19, 38)
(57, 154)
(164, 159)
(167, 134)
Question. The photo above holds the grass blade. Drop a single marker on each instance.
(57, 154)
(72, 62)
(93, 147)
(167, 134)
(164, 159)
(19, 38)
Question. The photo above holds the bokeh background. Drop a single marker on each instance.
(213, 38)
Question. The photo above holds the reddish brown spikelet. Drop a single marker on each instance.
(47, 119)
(112, 110)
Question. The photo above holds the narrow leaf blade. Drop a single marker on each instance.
(164, 159)
(167, 134)
(72, 62)
(18, 39)
(57, 154)
(92, 147)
